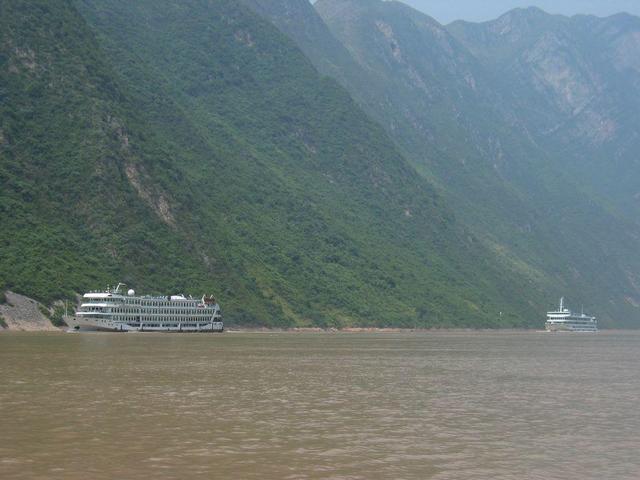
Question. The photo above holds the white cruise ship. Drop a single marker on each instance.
(114, 311)
(564, 320)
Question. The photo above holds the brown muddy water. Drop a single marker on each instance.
(320, 406)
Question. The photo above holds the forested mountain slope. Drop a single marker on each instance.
(441, 103)
(79, 203)
(191, 146)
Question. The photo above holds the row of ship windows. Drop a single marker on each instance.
(586, 322)
(169, 325)
(146, 318)
(171, 319)
(147, 303)
(137, 310)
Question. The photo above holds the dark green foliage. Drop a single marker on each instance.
(44, 311)
(3, 322)
(57, 316)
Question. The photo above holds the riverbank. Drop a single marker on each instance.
(29, 326)
(20, 313)
(236, 329)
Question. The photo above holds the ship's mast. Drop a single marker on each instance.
(562, 304)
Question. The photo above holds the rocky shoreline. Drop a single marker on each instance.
(20, 313)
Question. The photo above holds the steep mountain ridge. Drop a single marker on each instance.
(193, 147)
(297, 18)
(461, 128)
(574, 84)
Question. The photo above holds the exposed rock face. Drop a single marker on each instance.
(158, 202)
(575, 84)
(22, 313)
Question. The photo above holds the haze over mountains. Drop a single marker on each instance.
(446, 11)
(363, 165)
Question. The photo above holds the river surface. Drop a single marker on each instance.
(320, 406)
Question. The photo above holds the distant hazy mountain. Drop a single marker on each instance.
(575, 84)
(519, 159)
(447, 11)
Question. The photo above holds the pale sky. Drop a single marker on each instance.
(446, 11)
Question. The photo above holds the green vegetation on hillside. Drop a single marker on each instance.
(57, 317)
(70, 220)
(192, 147)
(466, 122)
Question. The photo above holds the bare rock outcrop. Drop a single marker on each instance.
(23, 314)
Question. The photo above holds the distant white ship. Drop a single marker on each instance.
(564, 320)
(113, 311)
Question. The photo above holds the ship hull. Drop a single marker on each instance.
(555, 327)
(79, 324)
